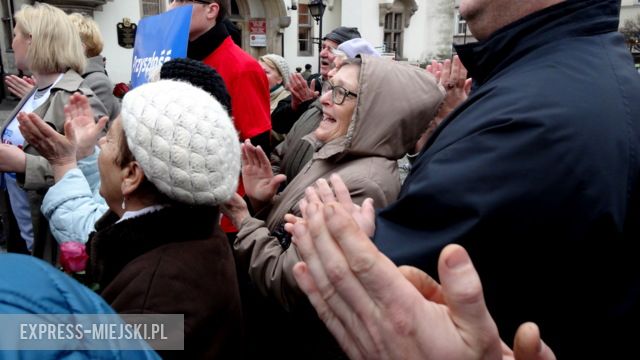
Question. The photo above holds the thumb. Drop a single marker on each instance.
(462, 292)
(276, 181)
(426, 285)
(69, 131)
(467, 86)
(312, 85)
(528, 344)
(102, 122)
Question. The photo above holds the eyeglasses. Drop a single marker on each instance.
(338, 93)
(195, 1)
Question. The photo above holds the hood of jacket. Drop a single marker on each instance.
(395, 103)
(31, 286)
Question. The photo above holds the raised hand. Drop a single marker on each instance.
(235, 209)
(375, 312)
(58, 149)
(19, 86)
(452, 75)
(257, 177)
(87, 131)
(363, 215)
(300, 91)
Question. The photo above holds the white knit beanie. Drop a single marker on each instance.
(281, 65)
(184, 141)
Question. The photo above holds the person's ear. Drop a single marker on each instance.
(212, 11)
(132, 178)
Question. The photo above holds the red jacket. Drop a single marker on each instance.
(249, 90)
(248, 86)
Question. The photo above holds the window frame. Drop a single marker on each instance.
(395, 31)
(308, 28)
(161, 4)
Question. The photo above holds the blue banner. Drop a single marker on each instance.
(159, 39)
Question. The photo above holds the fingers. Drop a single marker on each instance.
(377, 274)
(462, 292)
(336, 285)
(445, 77)
(312, 85)
(261, 158)
(425, 284)
(324, 191)
(342, 193)
(308, 286)
(528, 344)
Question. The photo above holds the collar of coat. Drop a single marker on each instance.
(113, 245)
(570, 18)
(203, 46)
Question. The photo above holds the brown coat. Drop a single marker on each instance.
(394, 104)
(172, 261)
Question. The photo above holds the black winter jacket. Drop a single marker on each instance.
(537, 174)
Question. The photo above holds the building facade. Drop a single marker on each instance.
(412, 30)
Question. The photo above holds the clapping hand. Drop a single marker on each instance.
(257, 177)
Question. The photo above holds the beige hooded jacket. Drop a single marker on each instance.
(394, 104)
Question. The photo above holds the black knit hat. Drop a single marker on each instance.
(342, 34)
(198, 74)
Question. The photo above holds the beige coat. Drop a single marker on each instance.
(394, 104)
(38, 176)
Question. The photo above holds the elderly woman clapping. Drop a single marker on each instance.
(166, 163)
(373, 112)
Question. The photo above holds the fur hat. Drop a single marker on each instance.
(342, 34)
(280, 64)
(184, 141)
(358, 46)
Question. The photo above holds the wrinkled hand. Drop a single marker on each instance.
(78, 112)
(300, 91)
(58, 149)
(375, 312)
(452, 75)
(363, 215)
(19, 86)
(257, 177)
(236, 210)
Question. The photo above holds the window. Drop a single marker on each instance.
(151, 7)
(461, 24)
(393, 30)
(305, 31)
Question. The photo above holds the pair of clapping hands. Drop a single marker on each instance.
(377, 310)
(373, 308)
(81, 133)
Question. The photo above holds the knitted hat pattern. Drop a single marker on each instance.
(198, 74)
(281, 65)
(184, 141)
(342, 34)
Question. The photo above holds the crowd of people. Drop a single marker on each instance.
(272, 208)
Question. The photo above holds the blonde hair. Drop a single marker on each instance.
(55, 43)
(89, 34)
